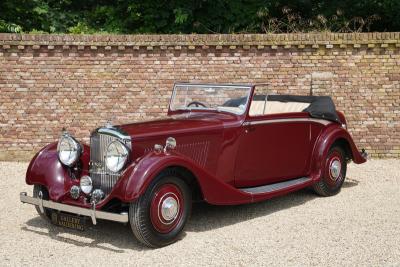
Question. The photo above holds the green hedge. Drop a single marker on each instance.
(198, 16)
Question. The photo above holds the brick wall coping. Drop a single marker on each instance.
(177, 41)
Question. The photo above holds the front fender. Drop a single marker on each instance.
(148, 167)
(45, 169)
(327, 138)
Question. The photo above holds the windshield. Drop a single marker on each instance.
(228, 98)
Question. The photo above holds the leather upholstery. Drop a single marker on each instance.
(272, 107)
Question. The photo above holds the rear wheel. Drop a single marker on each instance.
(158, 217)
(45, 195)
(334, 173)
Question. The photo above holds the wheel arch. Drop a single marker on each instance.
(344, 144)
(188, 177)
(337, 135)
(332, 135)
(208, 187)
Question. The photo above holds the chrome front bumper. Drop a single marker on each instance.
(92, 213)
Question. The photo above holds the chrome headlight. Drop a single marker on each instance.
(68, 149)
(116, 156)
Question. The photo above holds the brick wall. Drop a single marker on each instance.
(78, 81)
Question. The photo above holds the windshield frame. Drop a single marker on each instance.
(220, 109)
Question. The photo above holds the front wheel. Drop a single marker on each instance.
(334, 173)
(158, 217)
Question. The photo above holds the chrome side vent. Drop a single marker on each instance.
(198, 151)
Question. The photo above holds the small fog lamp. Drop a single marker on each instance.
(86, 184)
(75, 191)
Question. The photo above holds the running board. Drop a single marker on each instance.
(275, 187)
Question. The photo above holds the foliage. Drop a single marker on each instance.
(294, 22)
(9, 27)
(198, 16)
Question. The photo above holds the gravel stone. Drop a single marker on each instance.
(358, 227)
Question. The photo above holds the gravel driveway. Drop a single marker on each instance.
(360, 226)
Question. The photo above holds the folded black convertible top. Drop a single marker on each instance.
(321, 107)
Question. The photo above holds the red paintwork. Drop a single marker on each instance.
(165, 191)
(278, 146)
(221, 152)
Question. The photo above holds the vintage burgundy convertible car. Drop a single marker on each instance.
(223, 144)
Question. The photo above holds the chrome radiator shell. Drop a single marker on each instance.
(103, 178)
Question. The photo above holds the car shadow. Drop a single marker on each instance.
(118, 238)
(106, 235)
(206, 217)
(349, 182)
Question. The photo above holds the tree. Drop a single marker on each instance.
(197, 16)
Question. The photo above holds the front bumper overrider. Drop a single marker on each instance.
(92, 213)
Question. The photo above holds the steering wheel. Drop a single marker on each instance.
(196, 104)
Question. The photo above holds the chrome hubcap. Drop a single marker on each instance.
(169, 208)
(335, 168)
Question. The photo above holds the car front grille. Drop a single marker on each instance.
(100, 139)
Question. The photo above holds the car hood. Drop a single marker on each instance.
(182, 123)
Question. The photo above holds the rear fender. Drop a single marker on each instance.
(148, 167)
(327, 138)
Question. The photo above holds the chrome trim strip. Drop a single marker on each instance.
(271, 188)
(114, 132)
(324, 122)
(239, 85)
(122, 218)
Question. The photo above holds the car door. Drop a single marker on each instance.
(273, 148)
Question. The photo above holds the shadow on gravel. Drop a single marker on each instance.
(350, 182)
(207, 217)
(110, 236)
(118, 238)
